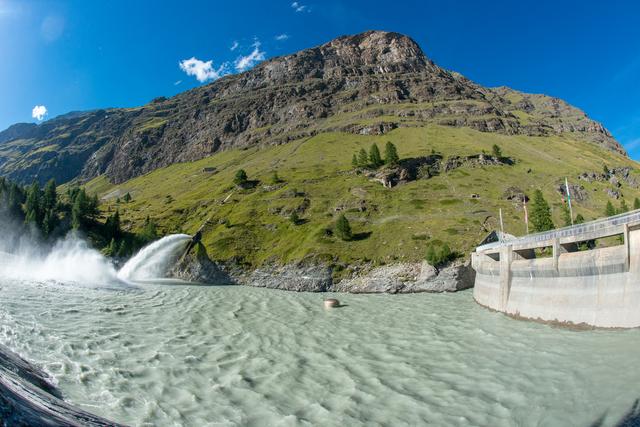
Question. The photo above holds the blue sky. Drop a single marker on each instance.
(76, 55)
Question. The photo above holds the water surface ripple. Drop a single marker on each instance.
(198, 356)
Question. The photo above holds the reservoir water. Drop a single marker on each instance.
(166, 354)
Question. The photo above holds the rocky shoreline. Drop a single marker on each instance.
(29, 398)
(312, 276)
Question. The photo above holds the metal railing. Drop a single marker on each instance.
(602, 227)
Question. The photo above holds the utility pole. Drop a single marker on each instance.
(566, 185)
(526, 213)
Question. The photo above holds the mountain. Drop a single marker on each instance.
(365, 84)
(293, 123)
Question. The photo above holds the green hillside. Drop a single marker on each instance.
(391, 224)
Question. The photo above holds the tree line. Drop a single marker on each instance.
(540, 212)
(373, 159)
(45, 214)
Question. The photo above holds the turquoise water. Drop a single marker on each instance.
(161, 354)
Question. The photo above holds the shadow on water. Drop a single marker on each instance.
(630, 419)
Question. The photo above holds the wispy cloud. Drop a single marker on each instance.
(299, 7)
(244, 62)
(234, 46)
(202, 70)
(177, 82)
(281, 37)
(39, 112)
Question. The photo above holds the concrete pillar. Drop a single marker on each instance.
(506, 256)
(634, 250)
(557, 250)
(627, 252)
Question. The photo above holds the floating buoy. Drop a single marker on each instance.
(331, 302)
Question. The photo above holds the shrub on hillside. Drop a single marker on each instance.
(437, 255)
(343, 228)
(240, 178)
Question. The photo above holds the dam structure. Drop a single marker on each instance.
(560, 276)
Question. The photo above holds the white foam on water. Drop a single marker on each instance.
(69, 260)
(154, 259)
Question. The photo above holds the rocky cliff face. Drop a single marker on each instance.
(367, 83)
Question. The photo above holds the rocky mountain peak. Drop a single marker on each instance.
(369, 53)
(382, 51)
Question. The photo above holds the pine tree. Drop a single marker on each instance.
(15, 199)
(33, 205)
(50, 196)
(112, 249)
(363, 158)
(566, 215)
(275, 179)
(127, 198)
(540, 213)
(623, 207)
(112, 226)
(605, 169)
(609, 210)
(431, 256)
(579, 219)
(125, 248)
(354, 161)
(391, 157)
(497, 151)
(49, 222)
(294, 218)
(149, 232)
(93, 206)
(343, 228)
(636, 203)
(240, 178)
(374, 156)
(79, 209)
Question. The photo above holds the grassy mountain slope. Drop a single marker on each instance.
(391, 224)
(367, 83)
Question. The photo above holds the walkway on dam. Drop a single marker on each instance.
(591, 230)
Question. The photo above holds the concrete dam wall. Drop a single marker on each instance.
(598, 287)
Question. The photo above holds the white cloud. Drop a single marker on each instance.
(282, 37)
(177, 82)
(38, 112)
(234, 46)
(299, 7)
(244, 62)
(202, 70)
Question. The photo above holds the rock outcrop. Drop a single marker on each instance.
(292, 277)
(410, 278)
(359, 81)
(196, 266)
(318, 277)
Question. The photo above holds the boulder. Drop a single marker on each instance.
(410, 278)
(290, 277)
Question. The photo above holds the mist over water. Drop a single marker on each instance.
(23, 256)
(68, 260)
(155, 259)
